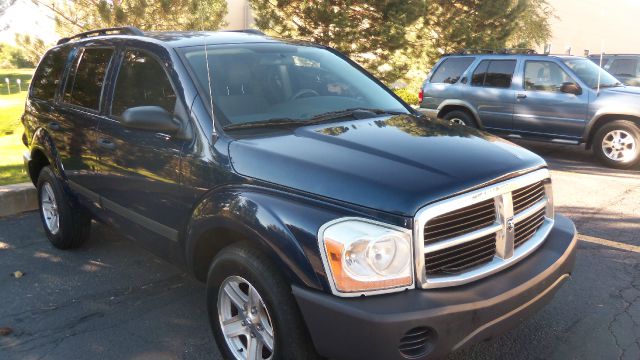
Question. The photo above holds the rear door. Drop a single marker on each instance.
(140, 169)
(492, 94)
(542, 109)
(79, 115)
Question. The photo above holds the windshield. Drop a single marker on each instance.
(587, 71)
(259, 82)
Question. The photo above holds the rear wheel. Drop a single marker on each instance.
(65, 222)
(617, 144)
(459, 117)
(251, 310)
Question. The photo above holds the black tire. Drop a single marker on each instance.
(460, 117)
(292, 341)
(74, 222)
(628, 128)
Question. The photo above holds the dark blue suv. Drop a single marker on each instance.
(327, 218)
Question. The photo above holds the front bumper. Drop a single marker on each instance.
(372, 327)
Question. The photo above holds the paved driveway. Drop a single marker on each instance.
(113, 300)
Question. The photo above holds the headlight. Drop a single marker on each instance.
(364, 256)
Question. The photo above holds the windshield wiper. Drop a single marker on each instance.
(332, 115)
(269, 123)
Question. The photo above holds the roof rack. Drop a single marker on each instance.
(505, 51)
(122, 30)
(248, 31)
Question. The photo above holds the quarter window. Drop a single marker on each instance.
(47, 77)
(494, 73)
(544, 76)
(142, 81)
(450, 70)
(84, 86)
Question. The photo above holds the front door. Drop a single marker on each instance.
(140, 169)
(542, 109)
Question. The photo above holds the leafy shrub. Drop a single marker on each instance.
(410, 96)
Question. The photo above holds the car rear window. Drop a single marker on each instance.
(47, 76)
(84, 85)
(450, 70)
(494, 73)
(624, 67)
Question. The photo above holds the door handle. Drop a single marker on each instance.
(53, 126)
(106, 143)
(521, 96)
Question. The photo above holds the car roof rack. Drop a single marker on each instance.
(504, 51)
(248, 31)
(121, 30)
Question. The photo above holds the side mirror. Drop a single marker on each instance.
(571, 88)
(152, 118)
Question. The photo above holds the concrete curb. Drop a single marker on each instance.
(17, 198)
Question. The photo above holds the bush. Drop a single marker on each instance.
(410, 96)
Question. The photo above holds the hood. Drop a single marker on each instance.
(395, 164)
(627, 90)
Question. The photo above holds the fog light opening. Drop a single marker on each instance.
(417, 342)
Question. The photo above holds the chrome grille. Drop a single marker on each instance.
(478, 233)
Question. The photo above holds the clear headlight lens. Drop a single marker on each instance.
(365, 256)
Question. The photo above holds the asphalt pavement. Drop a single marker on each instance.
(112, 299)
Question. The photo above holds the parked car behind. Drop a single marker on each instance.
(326, 216)
(562, 99)
(625, 67)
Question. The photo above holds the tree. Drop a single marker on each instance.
(370, 32)
(80, 15)
(533, 26)
(32, 48)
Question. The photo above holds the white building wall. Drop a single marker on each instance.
(238, 15)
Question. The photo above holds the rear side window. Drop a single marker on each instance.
(142, 81)
(624, 67)
(47, 76)
(84, 85)
(450, 70)
(494, 73)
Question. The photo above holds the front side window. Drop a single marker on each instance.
(544, 76)
(260, 82)
(84, 85)
(47, 76)
(142, 81)
(450, 70)
(591, 73)
(494, 73)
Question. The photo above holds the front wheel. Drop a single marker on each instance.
(251, 310)
(459, 117)
(617, 144)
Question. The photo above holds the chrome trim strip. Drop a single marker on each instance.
(497, 192)
(327, 268)
(463, 238)
(530, 210)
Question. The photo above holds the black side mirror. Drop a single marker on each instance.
(152, 118)
(571, 88)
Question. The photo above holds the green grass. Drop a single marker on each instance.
(11, 108)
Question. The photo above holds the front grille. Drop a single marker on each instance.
(460, 222)
(526, 228)
(485, 228)
(527, 196)
(454, 259)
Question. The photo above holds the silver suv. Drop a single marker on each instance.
(562, 99)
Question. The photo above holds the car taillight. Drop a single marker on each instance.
(421, 95)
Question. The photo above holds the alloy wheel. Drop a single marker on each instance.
(49, 208)
(244, 320)
(619, 145)
(457, 121)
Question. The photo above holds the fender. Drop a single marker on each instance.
(283, 225)
(622, 111)
(42, 142)
(462, 103)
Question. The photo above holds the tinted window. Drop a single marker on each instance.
(47, 77)
(450, 70)
(142, 82)
(494, 73)
(477, 79)
(85, 84)
(624, 67)
(544, 76)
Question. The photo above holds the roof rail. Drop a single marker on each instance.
(248, 31)
(122, 30)
(505, 51)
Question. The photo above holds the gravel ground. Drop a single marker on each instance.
(113, 300)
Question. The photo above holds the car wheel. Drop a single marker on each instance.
(66, 223)
(251, 309)
(617, 144)
(459, 117)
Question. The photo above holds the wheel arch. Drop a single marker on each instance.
(604, 119)
(42, 153)
(450, 105)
